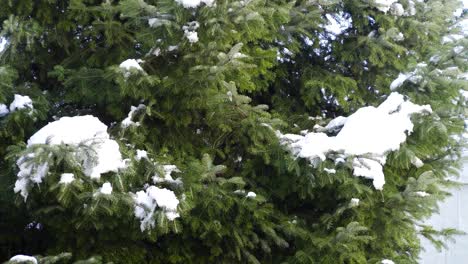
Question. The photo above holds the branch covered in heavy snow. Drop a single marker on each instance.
(84, 130)
(368, 136)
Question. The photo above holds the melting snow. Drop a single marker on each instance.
(367, 135)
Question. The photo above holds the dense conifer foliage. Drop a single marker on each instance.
(220, 131)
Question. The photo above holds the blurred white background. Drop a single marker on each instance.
(453, 213)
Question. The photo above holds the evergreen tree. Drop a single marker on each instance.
(219, 131)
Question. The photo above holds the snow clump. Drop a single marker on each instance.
(367, 136)
(83, 132)
(21, 102)
(384, 5)
(146, 203)
(141, 154)
(194, 3)
(190, 31)
(128, 120)
(3, 110)
(23, 259)
(397, 9)
(168, 170)
(67, 178)
(251, 195)
(106, 188)
(354, 202)
(131, 64)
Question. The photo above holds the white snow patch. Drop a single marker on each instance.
(329, 171)
(337, 23)
(384, 5)
(397, 9)
(3, 43)
(29, 173)
(79, 130)
(21, 102)
(251, 195)
(417, 162)
(190, 31)
(86, 130)
(172, 48)
(398, 37)
(422, 194)
(370, 169)
(67, 178)
(340, 160)
(368, 135)
(354, 202)
(3, 110)
(130, 64)
(458, 49)
(387, 261)
(336, 123)
(106, 188)
(414, 76)
(23, 258)
(411, 8)
(334, 26)
(146, 203)
(194, 3)
(157, 22)
(141, 154)
(239, 55)
(192, 36)
(168, 169)
(464, 94)
(128, 120)
(451, 38)
(402, 77)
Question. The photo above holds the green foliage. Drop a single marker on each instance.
(211, 108)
